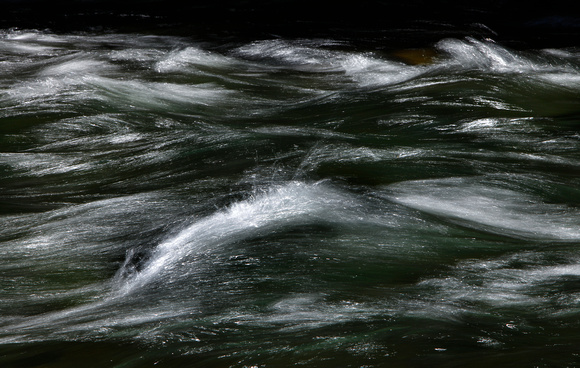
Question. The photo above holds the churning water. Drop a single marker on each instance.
(287, 202)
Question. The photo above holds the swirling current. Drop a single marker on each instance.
(287, 201)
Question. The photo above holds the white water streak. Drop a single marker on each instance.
(488, 207)
(293, 203)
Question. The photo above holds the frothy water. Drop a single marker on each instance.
(287, 201)
(289, 205)
(500, 209)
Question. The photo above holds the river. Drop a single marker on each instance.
(168, 200)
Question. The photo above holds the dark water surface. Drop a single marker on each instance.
(168, 199)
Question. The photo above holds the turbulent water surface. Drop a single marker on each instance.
(170, 202)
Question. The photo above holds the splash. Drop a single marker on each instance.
(292, 204)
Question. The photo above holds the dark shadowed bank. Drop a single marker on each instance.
(396, 23)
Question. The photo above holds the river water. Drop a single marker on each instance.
(166, 201)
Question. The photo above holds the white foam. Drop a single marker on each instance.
(41, 164)
(49, 88)
(77, 66)
(490, 207)
(32, 36)
(280, 206)
(314, 56)
(497, 126)
(369, 71)
(188, 59)
(487, 56)
(125, 138)
(301, 55)
(301, 311)
(569, 80)
(519, 279)
(352, 154)
(28, 43)
(157, 94)
(485, 124)
(25, 49)
(73, 87)
(145, 56)
(471, 53)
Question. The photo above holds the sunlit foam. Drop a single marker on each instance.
(519, 279)
(304, 55)
(490, 208)
(300, 311)
(369, 71)
(489, 56)
(293, 203)
(77, 67)
(474, 53)
(364, 69)
(187, 59)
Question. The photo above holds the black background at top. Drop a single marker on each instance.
(407, 23)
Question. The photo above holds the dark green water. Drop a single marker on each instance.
(284, 202)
